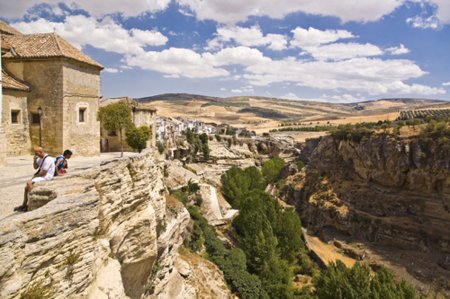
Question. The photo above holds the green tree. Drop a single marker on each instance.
(340, 282)
(256, 238)
(235, 183)
(256, 179)
(116, 117)
(289, 234)
(137, 137)
(271, 169)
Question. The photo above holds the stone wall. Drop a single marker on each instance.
(61, 88)
(98, 235)
(46, 80)
(17, 136)
(81, 92)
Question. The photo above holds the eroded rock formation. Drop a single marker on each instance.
(100, 233)
(389, 191)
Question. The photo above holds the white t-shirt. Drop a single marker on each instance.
(49, 166)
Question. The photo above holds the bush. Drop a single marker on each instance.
(218, 138)
(137, 137)
(338, 281)
(271, 169)
(160, 147)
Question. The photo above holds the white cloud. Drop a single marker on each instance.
(237, 56)
(398, 50)
(443, 10)
(233, 11)
(368, 75)
(313, 37)
(252, 36)
(111, 70)
(340, 51)
(431, 22)
(244, 89)
(176, 62)
(105, 34)
(446, 84)
(98, 8)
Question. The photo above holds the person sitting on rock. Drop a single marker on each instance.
(45, 166)
(61, 162)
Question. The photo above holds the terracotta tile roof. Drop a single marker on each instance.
(6, 29)
(10, 82)
(46, 45)
(5, 44)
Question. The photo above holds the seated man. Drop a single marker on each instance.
(45, 170)
(61, 162)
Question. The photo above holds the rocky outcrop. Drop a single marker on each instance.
(394, 191)
(95, 234)
(391, 192)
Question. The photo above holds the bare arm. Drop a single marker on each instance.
(35, 164)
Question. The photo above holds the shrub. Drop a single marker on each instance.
(271, 169)
(160, 147)
(338, 281)
(137, 137)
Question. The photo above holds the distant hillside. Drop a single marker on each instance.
(177, 97)
(264, 113)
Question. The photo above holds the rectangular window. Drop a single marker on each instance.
(15, 116)
(35, 119)
(82, 115)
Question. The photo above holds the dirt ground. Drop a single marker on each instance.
(18, 170)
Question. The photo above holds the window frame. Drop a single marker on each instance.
(18, 117)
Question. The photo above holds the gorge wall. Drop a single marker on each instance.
(388, 191)
(106, 232)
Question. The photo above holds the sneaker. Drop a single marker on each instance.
(21, 209)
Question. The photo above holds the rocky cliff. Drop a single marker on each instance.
(101, 233)
(388, 191)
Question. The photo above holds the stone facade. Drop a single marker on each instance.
(62, 88)
(56, 79)
(17, 136)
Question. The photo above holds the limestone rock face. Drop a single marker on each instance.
(387, 190)
(194, 277)
(96, 234)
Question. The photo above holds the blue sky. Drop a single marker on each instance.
(337, 51)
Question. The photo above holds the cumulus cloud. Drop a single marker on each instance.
(105, 34)
(244, 89)
(177, 62)
(371, 75)
(251, 36)
(431, 22)
(312, 37)
(233, 11)
(98, 8)
(446, 84)
(340, 51)
(342, 98)
(111, 70)
(398, 50)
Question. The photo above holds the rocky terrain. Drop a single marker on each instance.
(109, 232)
(393, 194)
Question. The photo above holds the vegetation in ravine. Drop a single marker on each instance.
(271, 251)
(198, 143)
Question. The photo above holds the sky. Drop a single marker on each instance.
(327, 50)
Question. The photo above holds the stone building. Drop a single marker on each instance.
(50, 94)
(141, 116)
